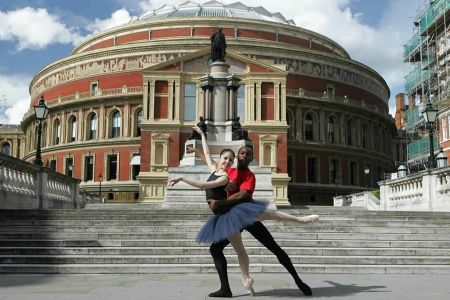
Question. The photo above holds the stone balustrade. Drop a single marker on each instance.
(362, 199)
(27, 186)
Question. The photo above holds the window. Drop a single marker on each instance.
(241, 103)
(94, 88)
(6, 149)
(349, 136)
(444, 128)
(290, 122)
(115, 129)
(135, 169)
(44, 135)
(92, 133)
(53, 165)
(139, 117)
(352, 173)
(88, 168)
(309, 128)
(290, 167)
(69, 167)
(189, 102)
(56, 132)
(334, 171)
(364, 135)
(331, 132)
(312, 169)
(112, 167)
(72, 129)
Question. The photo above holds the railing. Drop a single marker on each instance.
(438, 8)
(131, 90)
(363, 199)
(411, 45)
(330, 97)
(417, 76)
(428, 190)
(420, 147)
(27, 186)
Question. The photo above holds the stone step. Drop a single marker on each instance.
(248, 241)
(205, 259)
(274, 229)
(209, 269)
(193, 251)
(191, 235)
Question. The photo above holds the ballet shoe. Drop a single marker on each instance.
(248, 284)
(309, 219)
(304, 288)
(221, 294)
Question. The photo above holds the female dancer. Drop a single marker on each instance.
(228, 225)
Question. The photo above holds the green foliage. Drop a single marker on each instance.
(376, 193)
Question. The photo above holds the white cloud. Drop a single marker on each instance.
(15, 90)
(34, 29)
(117, 18)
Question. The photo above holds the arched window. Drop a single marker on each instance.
(6, 149)
(115, 122)
(309, 127)
(92, 130)
(56, 132)
(331, 130)
(139, 117)
(72, 136)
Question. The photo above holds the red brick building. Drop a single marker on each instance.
(316, 117)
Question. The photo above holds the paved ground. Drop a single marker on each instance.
(267, 286)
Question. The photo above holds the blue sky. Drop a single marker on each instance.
(36, 33)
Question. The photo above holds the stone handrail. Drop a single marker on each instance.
(428, 190)
(330, 97)
(28, 186)
(362, 199)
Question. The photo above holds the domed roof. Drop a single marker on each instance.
(212, 9)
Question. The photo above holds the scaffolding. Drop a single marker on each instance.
(428, 54)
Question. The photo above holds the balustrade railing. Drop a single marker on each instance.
(27, 186)
(330, 97)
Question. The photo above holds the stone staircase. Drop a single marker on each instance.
(144, 239)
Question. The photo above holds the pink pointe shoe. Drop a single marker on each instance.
(248, 285)
(309, 219)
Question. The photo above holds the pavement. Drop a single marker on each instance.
(268, 286)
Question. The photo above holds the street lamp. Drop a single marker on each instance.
(41, 112)
(100, 178)
(366, 172)
(441, 159)
(429, 113)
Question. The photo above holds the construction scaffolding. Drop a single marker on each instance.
(427, 53)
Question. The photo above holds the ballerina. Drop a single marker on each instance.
(228, 225)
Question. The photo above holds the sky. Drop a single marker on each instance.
(34, 33)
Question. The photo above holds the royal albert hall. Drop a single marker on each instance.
(123, 103)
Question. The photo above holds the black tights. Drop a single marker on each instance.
(260, 232)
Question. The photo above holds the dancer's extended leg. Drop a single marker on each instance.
(244, 264)
(282, 216)
(260, 232)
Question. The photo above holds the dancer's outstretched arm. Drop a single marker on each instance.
(220, 181)
(206, 153)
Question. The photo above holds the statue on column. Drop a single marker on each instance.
(218, 46)
(202, 125)
(239, 133)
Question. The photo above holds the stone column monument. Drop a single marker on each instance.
(223, 130)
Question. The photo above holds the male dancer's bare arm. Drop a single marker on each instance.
(226, 204)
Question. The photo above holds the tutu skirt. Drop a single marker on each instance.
(219, 227)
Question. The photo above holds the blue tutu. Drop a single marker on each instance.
(219, 227)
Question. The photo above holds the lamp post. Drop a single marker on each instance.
(41, 112)
(100, 178)
(366, 173)
(429, 114)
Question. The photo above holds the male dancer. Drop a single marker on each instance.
(245, 185)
